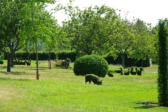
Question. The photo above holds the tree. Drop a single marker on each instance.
(144, 42)
(89, 29)
(163, 63)
(11, 22)
(39, 25)
(122, 43)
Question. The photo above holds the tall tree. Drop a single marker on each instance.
(39, 25)
(145, 41)
(89, 29)
(122, 42)
(11, 24)
(163, 63)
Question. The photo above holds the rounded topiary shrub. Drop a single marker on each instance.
(91, 64)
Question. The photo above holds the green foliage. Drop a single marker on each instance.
(163, 63)
(91, 64)
(128, 61)
(144, 42)
(68, 60)
(1, 56)
(1, 62)
(121, 70)
(89, 29)
(133, 70)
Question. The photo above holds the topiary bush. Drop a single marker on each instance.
(91, 64)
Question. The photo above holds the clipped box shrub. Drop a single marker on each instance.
(91, 64)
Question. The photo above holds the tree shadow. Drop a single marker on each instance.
(145, 107)
(13, 73)
(2, 66)
(10, 79)
(40, 68)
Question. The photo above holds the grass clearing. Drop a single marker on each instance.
(60, 91)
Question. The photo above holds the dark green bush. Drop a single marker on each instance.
(91, 64)
(122, 71)
(126, 71)
(68, 60)
(1, 62)
(133, 71)
(128, 61)
(110, 71)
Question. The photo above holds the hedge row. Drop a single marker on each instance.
(128, 61)
(45, 56)
(72, 55)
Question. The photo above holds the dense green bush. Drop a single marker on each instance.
(91, 64)
(128, 61)
(68, 60)
(1, 62)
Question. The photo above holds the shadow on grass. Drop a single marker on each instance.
(2, 66)
(13, 73)
(11, 79)
(145, 107)
(40, 68)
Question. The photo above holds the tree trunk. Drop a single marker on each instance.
(37, 64)
(49, 61)
(9, 63)
(123, 60)
(12, 56)
(150, 62)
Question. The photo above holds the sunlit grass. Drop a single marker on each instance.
(59, 90)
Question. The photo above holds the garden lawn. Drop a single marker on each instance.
(59, 90)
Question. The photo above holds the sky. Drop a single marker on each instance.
(149, 11)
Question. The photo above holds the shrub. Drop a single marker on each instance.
(110, 71)
(91, 64)
(121, 70)
(128, 61)
(133, 71)
(1, 62)
(126, 71)
(139, 71)
(68, 60)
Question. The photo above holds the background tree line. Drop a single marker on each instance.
(27, 26)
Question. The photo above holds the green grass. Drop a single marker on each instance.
(60, 91)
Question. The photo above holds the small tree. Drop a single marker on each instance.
(163, 70)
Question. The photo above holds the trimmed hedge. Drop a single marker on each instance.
(72, 56)
(45, 56)
(128, 61)
(91, 64)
